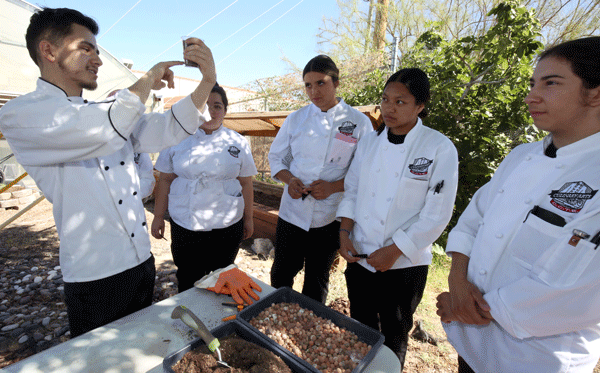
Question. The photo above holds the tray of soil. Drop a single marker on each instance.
(325, 340)
(242, 348)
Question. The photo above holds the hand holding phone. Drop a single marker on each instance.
(187, 62)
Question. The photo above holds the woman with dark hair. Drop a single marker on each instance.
(311, 154)
(524, 283)
(206, 182)
(400, 192)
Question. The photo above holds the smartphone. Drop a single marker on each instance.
(187, 62)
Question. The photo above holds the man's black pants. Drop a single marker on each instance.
(96, 303)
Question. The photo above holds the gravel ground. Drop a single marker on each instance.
(32, 311)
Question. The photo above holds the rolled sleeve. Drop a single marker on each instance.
(460, 242)
(164, 162)
(408, 247)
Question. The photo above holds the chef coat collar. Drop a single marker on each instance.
(412, 134)
(588, 144)
(51, 88)
(339, 107)
(200, 132)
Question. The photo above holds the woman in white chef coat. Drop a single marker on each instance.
(525, 280)
(398, 199)
(206, 182)
(311, 155)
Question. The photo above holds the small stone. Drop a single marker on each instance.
(61, 331)
(17, 332)
(10, 327)
(33, 269)
(25, 300)
(46, 321)
(23, 339)
(38, 279)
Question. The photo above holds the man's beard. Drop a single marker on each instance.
(90, 86)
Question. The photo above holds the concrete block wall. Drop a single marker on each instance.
(18, 198)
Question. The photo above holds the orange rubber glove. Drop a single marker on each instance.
(237, 284)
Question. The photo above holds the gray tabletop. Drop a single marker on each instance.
(140, 341)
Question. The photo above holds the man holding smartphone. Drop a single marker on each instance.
(81, 155)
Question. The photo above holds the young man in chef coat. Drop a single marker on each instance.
(81, 155)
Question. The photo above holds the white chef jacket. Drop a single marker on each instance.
(206, 194)
(145, 171)
(315, 145)
(390, 194)
(80, 155)
(544, 292)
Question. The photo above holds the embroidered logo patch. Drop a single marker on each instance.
(235, 152)
(347, 128)
(420, 166)
(572, 196)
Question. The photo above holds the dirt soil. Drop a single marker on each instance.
(241, 355)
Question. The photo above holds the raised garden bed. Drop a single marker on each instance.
(266, 209)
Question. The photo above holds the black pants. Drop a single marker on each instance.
(386, 301)
(196, 254)
(92, 304)
(314, 250)
(463, 367)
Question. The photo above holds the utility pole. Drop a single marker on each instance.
(394, 61)
(369, 19)
(381, 24)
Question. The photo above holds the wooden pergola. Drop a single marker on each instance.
(267, 123)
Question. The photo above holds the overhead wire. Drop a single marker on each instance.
(160, 54)
(268, 10)
(248, 24)
(105, 32)
(258, 33)
(191, 32)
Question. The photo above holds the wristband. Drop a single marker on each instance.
(345, 230)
